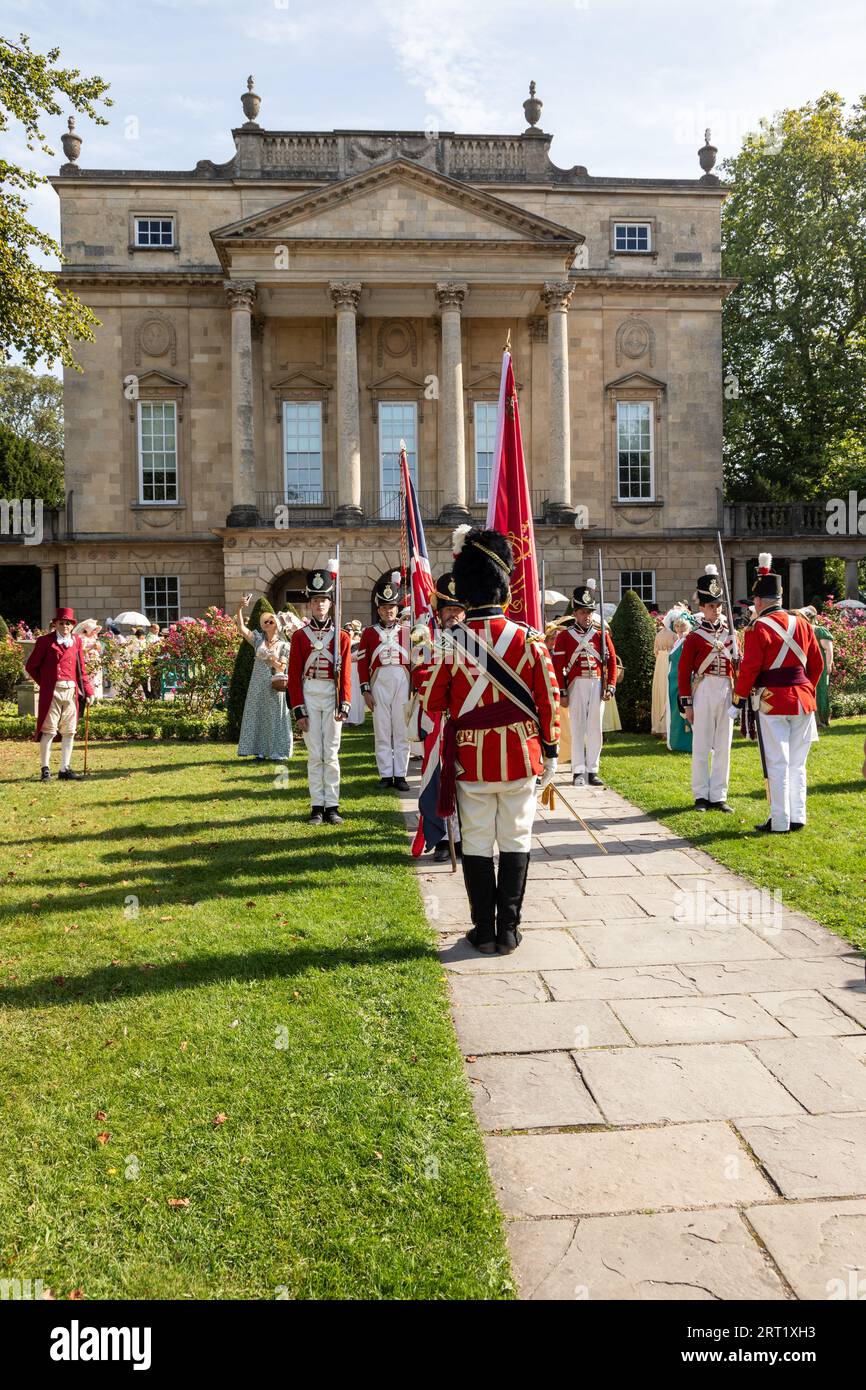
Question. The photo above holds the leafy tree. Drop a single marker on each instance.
(633, 632)
(26, 470)
(38, 319)
(32, 406)
(795, 329)
(243, 670)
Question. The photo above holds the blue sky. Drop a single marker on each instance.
(628, 85)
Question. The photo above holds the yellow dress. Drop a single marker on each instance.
(664, 641)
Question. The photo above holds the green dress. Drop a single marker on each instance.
(679, 731)
(822, 693)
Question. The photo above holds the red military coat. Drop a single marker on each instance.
(447, 686)
(706, 651)
(311, 657)
(764, 641)
(380, 647)
(44, 667)
(577, 655)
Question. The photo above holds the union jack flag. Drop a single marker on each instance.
(416, 565)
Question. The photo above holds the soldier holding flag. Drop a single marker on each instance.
(320, 692)
(586, 679)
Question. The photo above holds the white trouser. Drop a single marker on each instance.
(585, 714)
(496, 813)
(786, 739)
(712, 732)
(390, 690)
(323, 743)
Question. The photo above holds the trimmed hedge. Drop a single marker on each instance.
(109, 723)
(240, 681)
(633, 632)
(847, 704)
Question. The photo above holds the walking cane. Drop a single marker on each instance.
(451, 846)
(548, 800)
(86, 734)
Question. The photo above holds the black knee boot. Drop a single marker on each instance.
(480, 879)
(513, 871)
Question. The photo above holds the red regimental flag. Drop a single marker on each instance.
(509, 508)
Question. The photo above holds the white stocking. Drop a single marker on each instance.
(66, 742)
(45, 748)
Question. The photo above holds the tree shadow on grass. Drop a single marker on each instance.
(113, 984)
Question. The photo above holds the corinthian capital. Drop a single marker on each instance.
(241, 294)
(557, 294)
(450, 294)
(345, 294)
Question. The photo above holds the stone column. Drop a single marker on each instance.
(852, 582)
(345, 296)
(557, 297)
(48, 594)
(795, 584)
(738, 588)
(452, 442)
(241, 295)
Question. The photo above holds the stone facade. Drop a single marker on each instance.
(358, 269)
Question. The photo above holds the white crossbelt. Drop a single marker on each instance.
(582, 644)
(482, 680)
(788, 643)
(319, 653)
(717, 648)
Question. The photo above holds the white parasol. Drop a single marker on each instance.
(131, 619)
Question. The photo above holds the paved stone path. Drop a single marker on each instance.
(670, 1072)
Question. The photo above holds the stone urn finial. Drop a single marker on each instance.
(532, 110)
(707, 154)
(71, 142)
(251, 103)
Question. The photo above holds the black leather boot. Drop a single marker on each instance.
(513, 871)
(480, 879)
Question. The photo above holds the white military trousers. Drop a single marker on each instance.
(323, 743)
(390, 690)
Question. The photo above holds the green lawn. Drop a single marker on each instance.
(821, 870)
(177, 946)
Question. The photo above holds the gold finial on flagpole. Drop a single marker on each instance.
(507, 347)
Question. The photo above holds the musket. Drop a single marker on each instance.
(338, 623)
(603, 629)
(729, 609)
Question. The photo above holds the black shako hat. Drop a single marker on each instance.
(709, 586)
(445, 592)
(388, 590)
(320, 584)
(483, 564)
(584, 596)
(767, 583)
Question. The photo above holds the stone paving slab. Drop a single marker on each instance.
(710, 1018)
(823, 1076)
(670, 1255)
(628, 982)
(578, 907)
(754, 977)
(525, 988)
(539, 950)
(627, 1170)
(799, 937)
(851, 1001)
(806, 1013)
(856, 1046)
(537, 1027)
(610, 884)
(813, 1155)
(606, 866)
(531, 1091)
(820, 1247)
(656, 942)
(650, 1085)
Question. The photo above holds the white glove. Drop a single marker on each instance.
(733, 711)
(547, 776)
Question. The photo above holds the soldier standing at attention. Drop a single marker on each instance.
(383, 669)
(495, 680)
(704, 682)
(577, 660)
(318, 706)
(782, 664)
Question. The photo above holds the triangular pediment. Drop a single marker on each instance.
(397, 381)
(393, 202)
(637, 379)
(155, 378)
(302, 381)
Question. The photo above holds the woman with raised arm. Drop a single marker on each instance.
(266, 727)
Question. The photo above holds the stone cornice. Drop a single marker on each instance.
(654, 284)
(71, 275)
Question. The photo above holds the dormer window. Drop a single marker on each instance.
(633, 238)
(154, 232)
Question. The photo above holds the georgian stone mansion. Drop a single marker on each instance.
(272, 327)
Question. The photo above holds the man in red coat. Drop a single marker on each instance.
(577, 660)
(383, 670)
(317, 704)
(782, 664)
(495, 680)
(56, 664)
(704, 678)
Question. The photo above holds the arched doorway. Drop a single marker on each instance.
(287, 590)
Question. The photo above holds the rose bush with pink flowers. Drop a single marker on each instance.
(193, 659)
(847, 627)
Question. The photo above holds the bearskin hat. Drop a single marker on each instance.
(483, 564)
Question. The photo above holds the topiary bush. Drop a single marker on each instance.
(4, 629)
(633, 632)
(243, 670)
